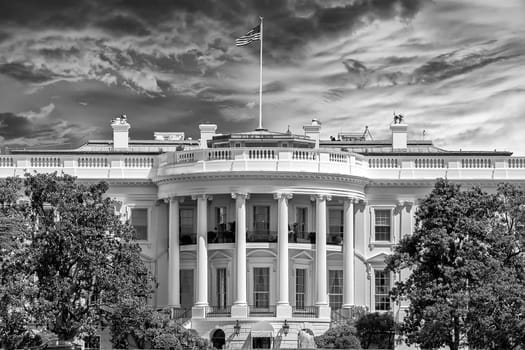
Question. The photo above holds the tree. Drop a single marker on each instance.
(376, 330)
(466, 262)
(78, 253)
(339, 337)
(14, 284)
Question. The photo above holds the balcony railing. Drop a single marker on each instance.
(218, 311)
(267, 311)
(221, 237)
(301, 237)
(261, 236)
(334, 238)
(304, 311)
(188, 238)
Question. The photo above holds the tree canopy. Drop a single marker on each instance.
(467, 267)
(66, 255)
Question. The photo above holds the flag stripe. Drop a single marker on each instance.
(253, 35)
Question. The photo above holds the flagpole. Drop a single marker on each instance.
(260, 77)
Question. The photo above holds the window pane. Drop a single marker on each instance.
(220, 219)
(335, 221)
(382, 290)
(261, 220)
(300, 285)
(186, 221)
(335, 288)
(301, 215)
(139, 220)
(221, 288)
(382, 224)
(261, 287)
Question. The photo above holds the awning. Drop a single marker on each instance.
(262, 329)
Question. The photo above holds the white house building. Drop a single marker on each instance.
(254, 236)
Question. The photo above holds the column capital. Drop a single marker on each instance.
(352, 200)
(284, 195)
(240, 195)
(202, 196)
(321, 197)
(174, 199)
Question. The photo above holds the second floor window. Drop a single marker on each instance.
(382, 225)
(139, 221)
(301, 216)
(335, 221)
(220, 219)
(261, 218)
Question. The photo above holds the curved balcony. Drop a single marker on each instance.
(261, 159)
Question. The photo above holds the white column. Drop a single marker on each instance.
(199, 309)
(348, 254)
(240, 305)
(283, 305)
(174, 254)
(320, 256)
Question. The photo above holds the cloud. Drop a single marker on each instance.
(38, 129)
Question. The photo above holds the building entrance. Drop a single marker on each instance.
(218, 339)
(262, 343)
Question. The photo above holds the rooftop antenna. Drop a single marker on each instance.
(424, 133)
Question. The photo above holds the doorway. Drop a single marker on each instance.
(218, 339)
(262, 343)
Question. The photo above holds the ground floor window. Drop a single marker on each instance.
(261, 287)
(335, 288)
(300, 287)
(221, 288)
(382, 290)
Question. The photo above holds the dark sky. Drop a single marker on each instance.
(453, 68)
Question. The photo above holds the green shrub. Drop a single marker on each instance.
(376, 330)
(340, 337)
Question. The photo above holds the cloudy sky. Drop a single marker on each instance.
(454, 68)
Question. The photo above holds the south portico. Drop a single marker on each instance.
(247, 202)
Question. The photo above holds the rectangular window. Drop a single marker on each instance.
(335, 288)
(186, 221)
(220, 219)
(139, 221)
(261, 219)
(382, 290)
(300, 287)
(186, 288)
(221, 288)
(187, 229)
(382, 224)
(335, 221)
(301, 217)
(261, 287)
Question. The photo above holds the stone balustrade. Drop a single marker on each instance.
(327, 161)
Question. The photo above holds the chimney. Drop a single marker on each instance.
(313, 131)
(120, 127)
(207, 132)
(399, 133)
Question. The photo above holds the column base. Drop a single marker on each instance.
(198, 311)
(324, 311)
(239, 311)
(283, 310)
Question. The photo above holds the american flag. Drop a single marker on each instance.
(253, 35)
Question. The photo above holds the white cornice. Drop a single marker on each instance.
(261, 176)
